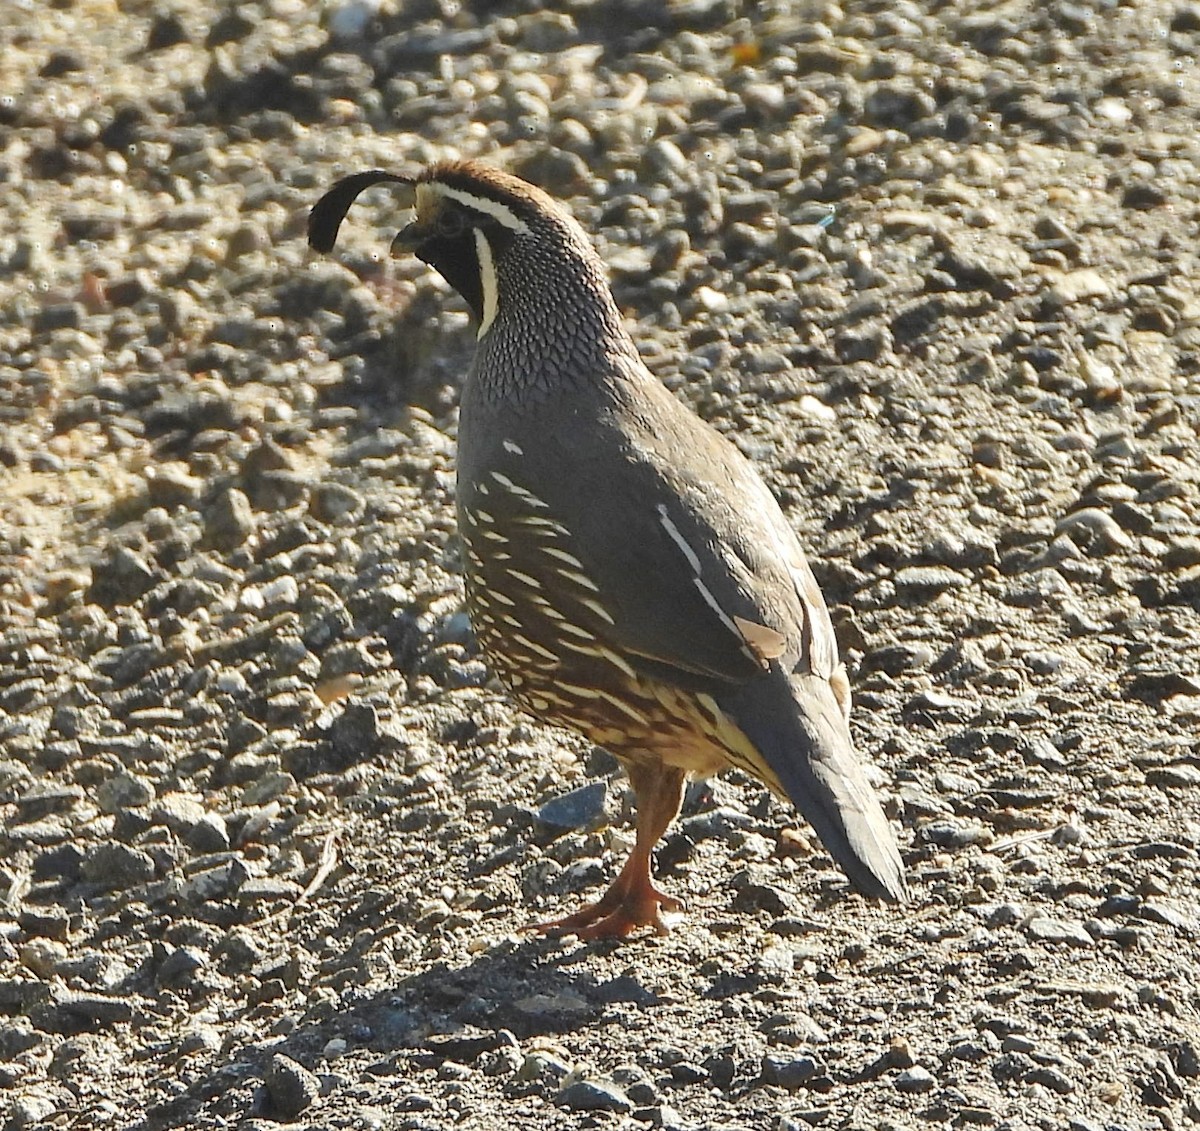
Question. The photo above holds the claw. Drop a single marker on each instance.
(615, 915)
(632, 900)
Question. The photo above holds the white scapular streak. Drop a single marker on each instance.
(765, 643)
(711, 601)
(678, 538)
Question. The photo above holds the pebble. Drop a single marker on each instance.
(212, 884)
(114, 866)
(229, 521)
(794, 1029)
(940, 705)
(180, 966)
(915, 1080)
(1092, 523)
(292, 1087)
(776, 964)
(548, 1006)
(589, 1095)
(1068, 931)
(959, 833)
(661, 1115)
(124, 791)
(334, 502)
(1078, 286)
(29, 1111)
(121, 579)
(789, 1072)
(920, 581)
(79, 1012)
(578, 809)
(711, 300)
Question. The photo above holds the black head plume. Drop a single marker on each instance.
(329, 212)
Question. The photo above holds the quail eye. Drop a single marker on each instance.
(451, 223)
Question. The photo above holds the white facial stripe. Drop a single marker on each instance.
(501, 213)
(487, 281)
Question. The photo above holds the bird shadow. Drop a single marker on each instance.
(520, 988)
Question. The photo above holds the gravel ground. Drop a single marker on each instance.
(269, 833)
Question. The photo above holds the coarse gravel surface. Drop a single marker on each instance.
(268, 833)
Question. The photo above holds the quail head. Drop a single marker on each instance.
(628, 574)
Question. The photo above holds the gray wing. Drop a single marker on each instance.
(675, 554)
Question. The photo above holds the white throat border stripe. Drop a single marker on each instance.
(487, 282)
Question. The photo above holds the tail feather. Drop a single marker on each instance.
(805, 743)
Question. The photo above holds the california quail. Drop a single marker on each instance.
(628, 574)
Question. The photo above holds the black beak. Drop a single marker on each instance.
(408, 239)
(329, 212)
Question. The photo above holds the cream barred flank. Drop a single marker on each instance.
(633, 716)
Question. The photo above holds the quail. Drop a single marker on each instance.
(628, 574)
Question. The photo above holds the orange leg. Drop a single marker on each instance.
(632, 901)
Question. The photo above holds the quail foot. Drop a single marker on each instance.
(628, 573)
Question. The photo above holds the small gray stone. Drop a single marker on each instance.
(209, 834)
(788, 1072)
(333, 502)
(292, 1087)
(956, 833)
(123, 791)
(79, 1012)
(59, 316)
(685, 1072)
(722, 823)
(214, 883)
(30, 1111)
(557, 1006)
(229, 521)
(1005, 915)
(115, 865)
(896, 658)
(121, 579)
(1171, 913)
(1069, 931)
(1050, 1078)
(543, 1067)
(179, 812)
(1178, 775)
(662, 1115)
(776, 964)
(939, 705)
(354, 734)
(578, 809)
(915, 1080)
(588, 1095)
(1093, 525)
(268, 788)
(794, 1029)
(923, 581)
(1044, 663)
(178, 968)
